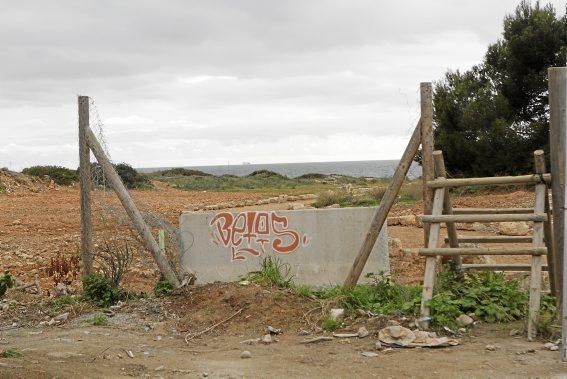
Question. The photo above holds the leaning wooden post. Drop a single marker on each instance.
(385, 205)
(427, 165)
(85, 186)
(440, 171)
(539, 159)
(131, 210)
(558, 141)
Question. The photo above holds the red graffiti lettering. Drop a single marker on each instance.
(249, 233)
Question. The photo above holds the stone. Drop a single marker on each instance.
(396, 335)
(378, 345)
(362, 332)
(551, 346)
(159, 368)
(513, 228)
(465, 320)
(296, 206)
(267, 339)
(514, 332)
(491, 347)
(62, 317)
(408, 220)
(337, 314)
(245, 354)
(369, 354)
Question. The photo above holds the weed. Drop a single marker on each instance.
(329, 324)
(548, 323)
(412, 192)
(11, 353)
(100, 320)
(324, 199)
(163, 287)
(273, 272)
(6, 281)
(278, 296)
(63, 269)
(59, 302)
(101, 291)
(114, 261)
(60, 175)
(376, 193)
(490, 296)
(304, 291)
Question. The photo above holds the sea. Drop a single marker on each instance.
(373, 169)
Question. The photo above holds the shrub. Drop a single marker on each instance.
(60, 175)
(266, 174)
(412, 192)
(312, 175)
(377, 193)
(132, 178)
(114, 261)
(273, 272)
(11, 353)
(6, 281)
(101, 291)
(324, 199)
(180, 171)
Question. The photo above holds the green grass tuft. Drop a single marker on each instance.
(273, 272)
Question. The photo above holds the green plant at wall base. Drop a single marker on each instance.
(163, 287)
(273, 272)
(59, 302)
(100, 291)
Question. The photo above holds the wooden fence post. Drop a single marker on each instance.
(131, 210)
(557, 141)
(384, 208)
(85, 186)
(427, 165)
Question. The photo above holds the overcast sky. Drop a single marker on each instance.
(180, 83)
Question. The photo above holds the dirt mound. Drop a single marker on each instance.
(14, 182)
(200, 307)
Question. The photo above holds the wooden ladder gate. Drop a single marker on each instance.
(442, 212)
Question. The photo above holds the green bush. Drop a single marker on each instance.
(11, 353)
(312, 175)
(132, 178)
(6, 281)
(101, 291)
(163, 287)
(100, 319)
(266, 174)
(60, 175)
(180, 171)
(329, 324)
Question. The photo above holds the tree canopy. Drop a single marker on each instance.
(489, 119)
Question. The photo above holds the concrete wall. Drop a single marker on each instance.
(318, 244)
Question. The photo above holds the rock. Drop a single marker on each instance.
(514, 332)
(369, 354)
(333, 206)
(245, 354)
(464, 320)
(62, 317)
(392, 323)
(551, 346)
(513, 228)
(159, 368)
(296, 206)
(251, 341)
(378, 345)
(491, 347)
(392, 221)
(362, 332)
(396, 335)
(345, 335)
(267, 339)
(337, 314)
(273, 330)
(409, 220)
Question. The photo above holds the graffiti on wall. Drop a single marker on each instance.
(251, 233)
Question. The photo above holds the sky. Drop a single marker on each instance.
(186, 83)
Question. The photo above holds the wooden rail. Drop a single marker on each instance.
(538, 217)
(491, 180)
(493, 239)
(481, 251)
(500, 267)
(466, 211)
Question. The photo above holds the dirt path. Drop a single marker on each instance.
(88, 351)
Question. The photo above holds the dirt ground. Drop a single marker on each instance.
(39, 221)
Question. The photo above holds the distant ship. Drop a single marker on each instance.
(246, 163)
